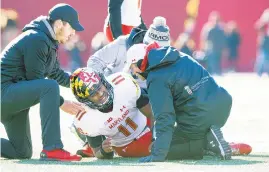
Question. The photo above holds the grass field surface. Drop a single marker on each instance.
(248, 123)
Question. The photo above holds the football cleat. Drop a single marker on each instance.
(58, 155)
(217, 144)
(240, 149)
(86, 151)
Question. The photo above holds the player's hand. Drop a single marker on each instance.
(106, 145)
(72, 107)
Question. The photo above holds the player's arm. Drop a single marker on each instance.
(101, 147)
(143, 105)
(142, 25)
(142, 100)
(105, 58)
(114, 9)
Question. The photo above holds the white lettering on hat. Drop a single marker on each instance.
(157, 35)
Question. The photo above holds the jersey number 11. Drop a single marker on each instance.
(124, 130)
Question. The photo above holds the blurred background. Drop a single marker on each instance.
(234, 33)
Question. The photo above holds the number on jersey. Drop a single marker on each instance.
(124, 130)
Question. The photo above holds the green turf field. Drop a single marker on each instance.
(249, 123)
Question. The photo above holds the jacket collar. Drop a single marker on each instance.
(50, 29)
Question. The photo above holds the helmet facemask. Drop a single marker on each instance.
(92, 89)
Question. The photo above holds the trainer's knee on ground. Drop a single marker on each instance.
(193, 149)
(26, 153)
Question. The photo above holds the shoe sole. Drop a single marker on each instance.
(51, 159)
(83, 155)
(225, 149)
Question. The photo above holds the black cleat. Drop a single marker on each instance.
(217, 144)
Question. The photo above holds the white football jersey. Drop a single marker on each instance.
(125, 122)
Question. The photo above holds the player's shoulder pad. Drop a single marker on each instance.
(119, 77)
(124, 80)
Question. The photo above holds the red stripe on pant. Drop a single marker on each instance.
(125, 30)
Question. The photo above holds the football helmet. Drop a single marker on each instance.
(91, 88)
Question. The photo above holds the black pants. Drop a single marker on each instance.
(184, 147)
(191, 144)
(16, 101)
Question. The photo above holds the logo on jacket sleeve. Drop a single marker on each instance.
(188, 89)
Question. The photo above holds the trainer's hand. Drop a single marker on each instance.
(135, 70)
(106, 145)
(146, 159)
(72, 107)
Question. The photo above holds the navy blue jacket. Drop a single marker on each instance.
(33, 55)
(181, 91)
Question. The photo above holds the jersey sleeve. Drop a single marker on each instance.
(126, 86)
(87, 123)
(114, 9)
(105, 58)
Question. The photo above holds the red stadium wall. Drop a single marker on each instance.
(93, 13)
